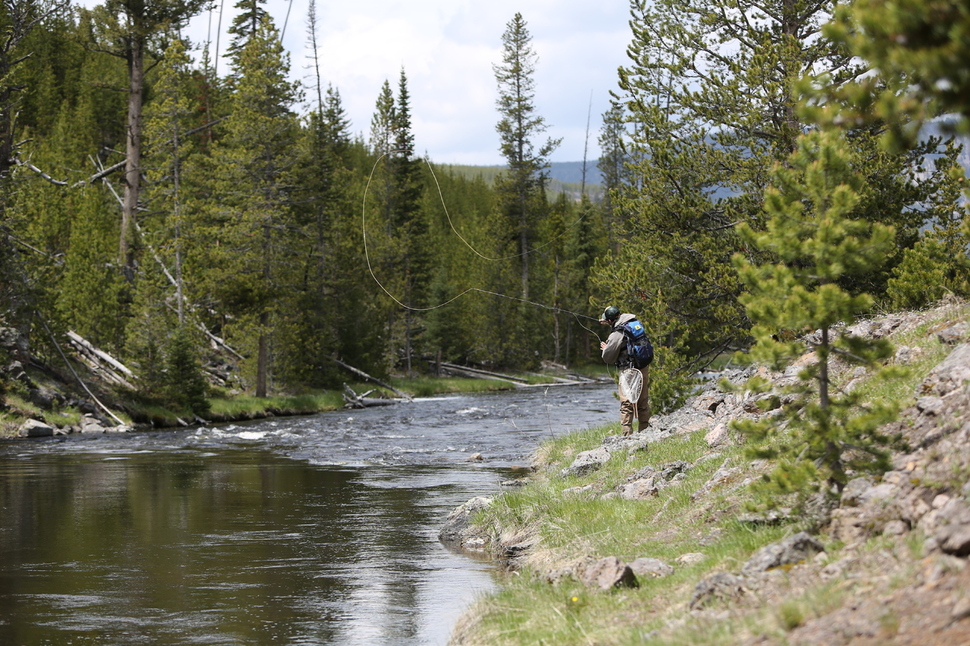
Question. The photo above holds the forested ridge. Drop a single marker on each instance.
(233, 231)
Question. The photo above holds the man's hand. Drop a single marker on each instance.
(602, 345)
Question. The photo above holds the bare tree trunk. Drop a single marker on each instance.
(136, 63)
(524, 244)
(262, 358)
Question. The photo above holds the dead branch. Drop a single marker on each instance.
(369, 378)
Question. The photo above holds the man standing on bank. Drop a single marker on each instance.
(615, 352)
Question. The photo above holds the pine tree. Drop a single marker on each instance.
(614, 164)
(518, 127)
(810, 242)
(409, 219)
(89, 301)
(919, 51)
(250, 259)
(708, 93)
(245, 24)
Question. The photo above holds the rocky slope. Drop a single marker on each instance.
(886, 566)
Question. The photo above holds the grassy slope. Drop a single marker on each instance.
(571, 526)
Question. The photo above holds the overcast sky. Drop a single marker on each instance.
(447, 49)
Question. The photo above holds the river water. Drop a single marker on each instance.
(304, 530)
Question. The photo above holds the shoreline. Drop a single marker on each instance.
(655, 538)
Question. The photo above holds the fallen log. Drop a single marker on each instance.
(100, 361)
(353, 400)
(363, 374)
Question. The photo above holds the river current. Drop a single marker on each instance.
(305, 530)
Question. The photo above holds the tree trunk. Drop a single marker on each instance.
(136, 63)
(262, 359)
(524, 245)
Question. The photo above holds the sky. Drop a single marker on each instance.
(447, 49)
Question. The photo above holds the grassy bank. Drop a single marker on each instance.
(578, 524)
(568, 521)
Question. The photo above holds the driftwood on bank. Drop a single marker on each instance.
(353, 400)
(100, 361)
(377, 381)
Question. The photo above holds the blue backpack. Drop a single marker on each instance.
(639, 350)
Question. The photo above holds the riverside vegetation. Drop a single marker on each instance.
(658, 538)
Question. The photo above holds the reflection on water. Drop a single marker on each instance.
(317, 530)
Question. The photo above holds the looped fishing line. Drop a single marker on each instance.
(370, 269)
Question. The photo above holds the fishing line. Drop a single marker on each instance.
(370, 268)
(451, 224)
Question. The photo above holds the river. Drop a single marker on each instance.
(305, 530)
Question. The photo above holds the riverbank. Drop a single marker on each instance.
(44, 405)
(650, 540)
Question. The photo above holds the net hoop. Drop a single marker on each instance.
(631, 384)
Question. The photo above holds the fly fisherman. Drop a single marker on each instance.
(615, 352)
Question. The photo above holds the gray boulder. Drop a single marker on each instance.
(36, 428)
(648, 567)
(458, 530)
(790, 551)
(721, 586)
(953, 536)
(953, 334)
(587, 462)
(608, 573)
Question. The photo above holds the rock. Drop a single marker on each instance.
(722, 476)
(953, 334)
(90, 424)
(879, 492)
(722, 585)
(639, 489)
(949, 375)
(906, 355)
(458, 528)
(36, 428)
(690, 558)
(15, 344)
(649, 567)
(475, 457)
(717, 436)
(587, 462)
(895, 528)
(648, 481)
(587, 488)
(853, 491)
(953, 519)
(789, 551)
(608, 573)
(930, 405)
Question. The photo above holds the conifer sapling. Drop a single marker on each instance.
(821, 433)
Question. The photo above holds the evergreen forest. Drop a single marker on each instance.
(231, 231)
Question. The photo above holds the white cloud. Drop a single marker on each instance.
(447, 49)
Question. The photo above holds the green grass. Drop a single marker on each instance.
(903, 389)
(241, 406)
(576, 525)
(428, 386)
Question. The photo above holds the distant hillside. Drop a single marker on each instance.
(565, 177)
